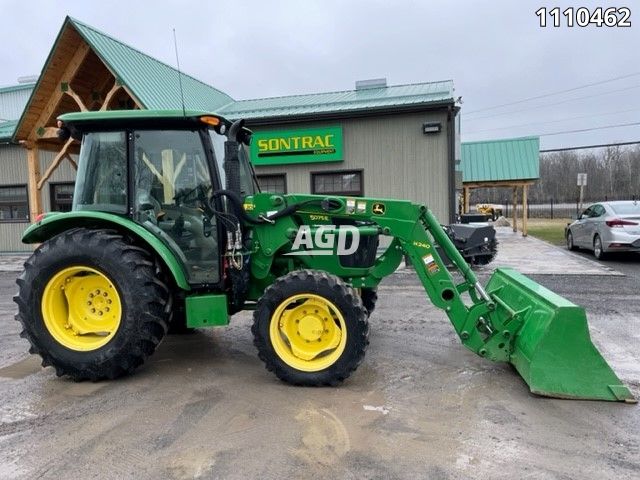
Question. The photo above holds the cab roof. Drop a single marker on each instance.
(124, 115)
(115, 119)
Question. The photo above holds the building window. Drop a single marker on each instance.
(275, 183)
(348, 183)
(14, 204)
(61, 196)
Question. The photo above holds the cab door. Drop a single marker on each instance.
(171, 189)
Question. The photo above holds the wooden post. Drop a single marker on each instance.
(524, 209)
(466, 200)
(56, 161)
(515, 209)
(167, 175)
(35, 195)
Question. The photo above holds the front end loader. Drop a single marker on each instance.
(169, 228)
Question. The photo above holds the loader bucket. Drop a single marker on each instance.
(552, 349)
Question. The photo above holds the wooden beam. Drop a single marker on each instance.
(109, 96)
(515, 207)
(467, 192)
(35, 196)
(524, 210)
(47, 133)
(69, 91)
(56, 96)
(502, 183)
(168, 186)
(54, 164)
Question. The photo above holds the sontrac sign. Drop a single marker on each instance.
(326, 240)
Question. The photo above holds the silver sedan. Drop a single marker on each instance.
(606, 227)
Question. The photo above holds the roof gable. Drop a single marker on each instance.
(150, 83)
(153, 83)
(500, 160)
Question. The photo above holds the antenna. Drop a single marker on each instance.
(175, 45)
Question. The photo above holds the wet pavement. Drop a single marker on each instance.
(530, 255)
(420, 406)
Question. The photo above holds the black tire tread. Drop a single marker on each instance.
(369, 298)
(359, 334)
(571, 247)
(603, 255)
(152, 295)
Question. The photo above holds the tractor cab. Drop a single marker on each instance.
(160, 169)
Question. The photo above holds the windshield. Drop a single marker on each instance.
(248, 184)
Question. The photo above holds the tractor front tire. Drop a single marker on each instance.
(310, 328)
(91, 304)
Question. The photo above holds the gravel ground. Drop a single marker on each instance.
(420, 406)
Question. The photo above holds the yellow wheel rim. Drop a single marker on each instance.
(81, 308)
(308, 332)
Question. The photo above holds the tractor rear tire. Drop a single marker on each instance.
(65, 292)
(311, 329)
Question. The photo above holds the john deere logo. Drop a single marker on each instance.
(378, 208)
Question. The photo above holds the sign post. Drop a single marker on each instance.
(582, 182)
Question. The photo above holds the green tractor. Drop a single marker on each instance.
(169, 230)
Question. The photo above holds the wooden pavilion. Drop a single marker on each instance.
(512, 163)
(89, 70)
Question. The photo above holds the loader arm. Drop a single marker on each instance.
(513, 319)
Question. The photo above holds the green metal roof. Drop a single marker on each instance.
(17, 88)
(499, 160)
(345, 101)
(6, 130)
(13, 99)
(154, 83)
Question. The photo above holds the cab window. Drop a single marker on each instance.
(172, 186)
(102, 173)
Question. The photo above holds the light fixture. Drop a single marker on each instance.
(428, 128)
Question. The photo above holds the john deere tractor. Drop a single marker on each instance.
(169, 230)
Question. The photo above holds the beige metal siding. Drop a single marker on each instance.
(13, 162)
(398, 160)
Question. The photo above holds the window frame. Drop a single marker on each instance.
(52, 198)
(18, 220)
(359, 171)
(281, 175)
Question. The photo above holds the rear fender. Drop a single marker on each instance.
(55, 223)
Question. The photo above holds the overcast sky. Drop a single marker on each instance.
(494, 51)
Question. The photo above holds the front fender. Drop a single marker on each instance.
(54, 223)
